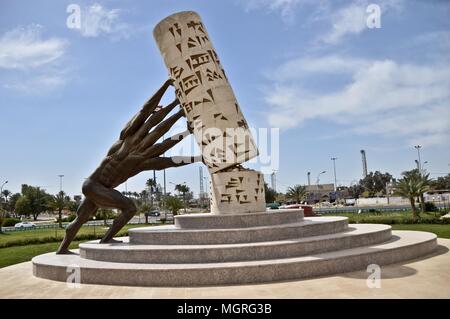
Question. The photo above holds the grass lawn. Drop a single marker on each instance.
(400, 221)
(17, 254)
(56, 234)
(442, 231)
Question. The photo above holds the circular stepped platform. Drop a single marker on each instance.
(214, 221)
(236, 250)
(355, 236)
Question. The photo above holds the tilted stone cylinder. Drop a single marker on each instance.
(204, 92)
(213, 113)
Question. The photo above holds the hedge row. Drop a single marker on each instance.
(398, 220)
(10, 222)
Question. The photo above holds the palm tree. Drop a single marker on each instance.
(296, 192)
(173, 204)
(5, 193)
(422, 185)
(409, 186)
(144, 195)
(183, 189)
(59, 202)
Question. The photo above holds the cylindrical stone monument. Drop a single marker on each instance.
(204, 91)
(212, 111)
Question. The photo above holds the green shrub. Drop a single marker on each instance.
(10, 222)
(424, 219)
(104, 213)
(68, 219)
(430, 207)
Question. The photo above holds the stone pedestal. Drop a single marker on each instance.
(237, 190)
(204, 92)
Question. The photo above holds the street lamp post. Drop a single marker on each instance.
(94, 218)
(207, 192)
(309, 178)
(1, 191)
(334, 169)
(335, 181)
(60, 182)
(418, 147)
(318, 177)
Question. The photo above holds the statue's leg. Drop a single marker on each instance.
(84, 212)
(108, 197)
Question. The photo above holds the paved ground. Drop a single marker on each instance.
(425, 278)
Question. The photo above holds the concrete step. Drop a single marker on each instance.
(172, 235)
(402, 246)
(266, 218)
(356, 236)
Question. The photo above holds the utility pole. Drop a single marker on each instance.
(309, 178)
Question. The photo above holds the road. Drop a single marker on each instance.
(355, 209)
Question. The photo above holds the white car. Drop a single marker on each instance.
(24, 225)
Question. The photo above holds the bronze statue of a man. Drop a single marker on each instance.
(136, 150)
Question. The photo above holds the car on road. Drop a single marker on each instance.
(25, 225)
(153, 213)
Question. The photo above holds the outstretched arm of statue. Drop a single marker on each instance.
(137, 150)
(159, 163)
(136, 122)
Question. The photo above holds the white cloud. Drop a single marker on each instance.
(286, 8)
(348, 20)
(39, 84)
(342, 20)
(383, 97)
(299, 67)
(352, 19)
(97, 20)
(24, 48)
(31, 62)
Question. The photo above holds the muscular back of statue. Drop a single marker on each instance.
(136, 151)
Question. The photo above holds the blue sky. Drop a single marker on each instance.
(311, 68)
